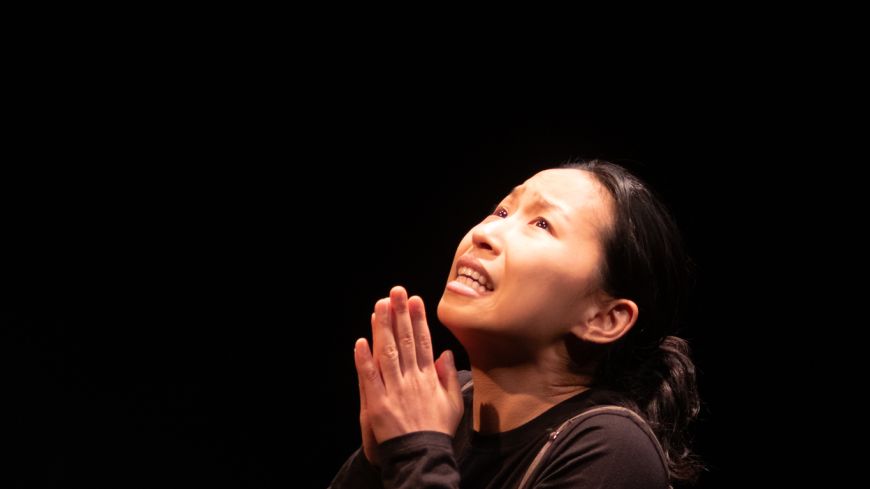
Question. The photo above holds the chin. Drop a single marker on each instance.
(477, 338)
(456, 315)
(452, 317)
(450, 313)
(446, 311)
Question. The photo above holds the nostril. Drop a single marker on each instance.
(482, 238)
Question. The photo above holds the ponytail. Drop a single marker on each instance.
(659, 385)
(645, 261)
(671, 406)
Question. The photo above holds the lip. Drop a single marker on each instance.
(474, 264)
(459, 288)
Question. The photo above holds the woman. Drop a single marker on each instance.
(565, 299)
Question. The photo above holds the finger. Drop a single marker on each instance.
(386, 354)
(404, 329)
(362, 389)
(422, 339)
(446, 368)
(370, 380)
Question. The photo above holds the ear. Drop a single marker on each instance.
(608, 322)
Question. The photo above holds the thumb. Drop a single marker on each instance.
(448, 377)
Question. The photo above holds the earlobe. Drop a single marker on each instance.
(610, 322)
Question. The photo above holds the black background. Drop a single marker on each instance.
(187, 284)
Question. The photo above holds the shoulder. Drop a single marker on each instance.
(614, 427)
(608, 446)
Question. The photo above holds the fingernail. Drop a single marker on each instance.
(448, 355)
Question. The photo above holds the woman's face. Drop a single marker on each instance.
(530, 270)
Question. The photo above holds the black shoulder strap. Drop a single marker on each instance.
(574, 421)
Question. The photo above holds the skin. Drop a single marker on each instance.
(544, 263)
(402, 388)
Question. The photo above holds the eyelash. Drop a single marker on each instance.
(499, 210)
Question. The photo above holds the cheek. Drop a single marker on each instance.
(464, 244)
(460, 250)
(546, 291)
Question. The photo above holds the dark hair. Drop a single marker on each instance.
(645, 262)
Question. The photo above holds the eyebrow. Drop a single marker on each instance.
(541, 202)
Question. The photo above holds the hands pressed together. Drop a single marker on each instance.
(402, 388)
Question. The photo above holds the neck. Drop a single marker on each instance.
(507, 397)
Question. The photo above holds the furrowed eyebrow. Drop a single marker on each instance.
(540, 202)
(546, 204)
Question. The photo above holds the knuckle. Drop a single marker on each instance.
(371, 374)
(389, 352)
(407, 342)
(424, 341)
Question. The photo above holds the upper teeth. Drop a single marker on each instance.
(469, 272)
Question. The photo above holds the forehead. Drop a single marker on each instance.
(576, 193)
(576, 189)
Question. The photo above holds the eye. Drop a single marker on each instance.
(542, 223)
(500, 212)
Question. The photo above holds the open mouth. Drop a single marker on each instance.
(473, 279)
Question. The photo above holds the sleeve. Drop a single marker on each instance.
(423, 460)
(357, 473)
(605, 451)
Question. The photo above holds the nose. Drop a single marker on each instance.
(487, 236)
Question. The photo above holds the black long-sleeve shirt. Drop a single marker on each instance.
(604, 450)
